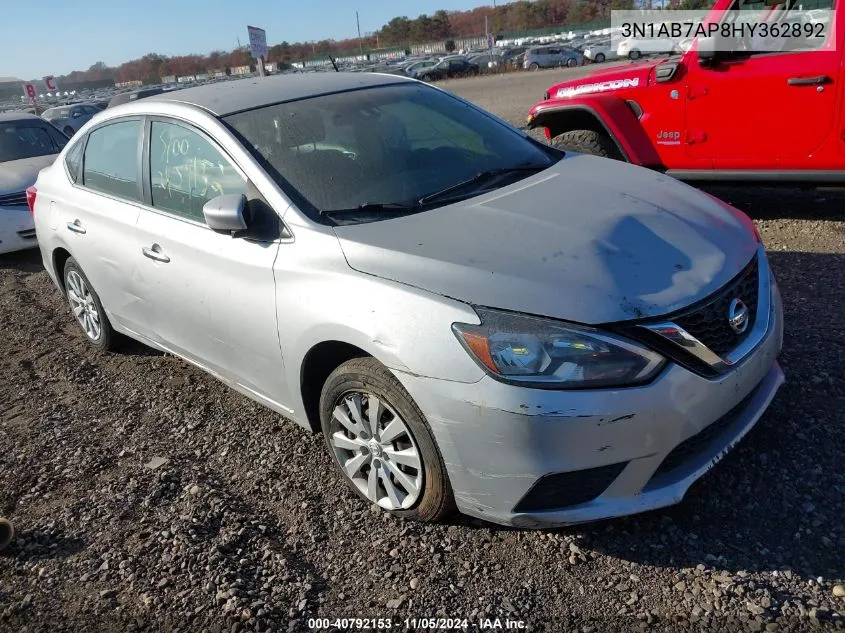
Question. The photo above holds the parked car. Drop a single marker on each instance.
(70, 118)
(485, 62)
(638, 112)
(412, 69)
(634, 48)
(598, 51)
(551, 57)
(27, 144)
(447, 69)
(514, 56)
(469, 316)
(126, 97)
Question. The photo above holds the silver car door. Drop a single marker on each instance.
(213, 294)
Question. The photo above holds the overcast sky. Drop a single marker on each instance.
(54, 37)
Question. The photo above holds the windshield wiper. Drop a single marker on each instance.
(479, 177)
(374, 207)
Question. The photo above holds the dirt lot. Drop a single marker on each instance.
(245, 527)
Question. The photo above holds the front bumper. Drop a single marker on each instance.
(17, 230)
(498, 440)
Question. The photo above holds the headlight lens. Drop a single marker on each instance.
(549, 354)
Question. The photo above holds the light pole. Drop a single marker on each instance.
(360, 41)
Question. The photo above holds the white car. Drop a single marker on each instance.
(635, 48)
(27, 145)
(598, 51)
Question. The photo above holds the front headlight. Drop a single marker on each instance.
(548, 354)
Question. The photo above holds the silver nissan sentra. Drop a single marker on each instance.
(473, 319)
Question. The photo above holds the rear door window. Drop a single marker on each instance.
(111, 159)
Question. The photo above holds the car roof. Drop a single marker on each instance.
(227, 97)
(18, 116)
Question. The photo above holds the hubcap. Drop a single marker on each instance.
(83, 305)
(376, 451)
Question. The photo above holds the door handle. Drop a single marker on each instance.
(76, 227)
(809, 81)
(154, 252)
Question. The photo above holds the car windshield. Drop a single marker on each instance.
(56, 113)
(22, 139)
(393, 145)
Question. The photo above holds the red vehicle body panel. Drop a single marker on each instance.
(740, 115)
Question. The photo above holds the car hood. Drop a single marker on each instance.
(17, 175)
(588, 240)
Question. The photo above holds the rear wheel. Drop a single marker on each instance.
(380, 443)
(599, 58)
(534, 66)
(634, 54)
(588, 142)
(572, 62)
(86, 307)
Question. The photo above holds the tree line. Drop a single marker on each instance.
(400, 32)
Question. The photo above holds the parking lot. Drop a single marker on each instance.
(150, 497)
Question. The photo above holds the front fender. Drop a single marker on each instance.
(610, 112)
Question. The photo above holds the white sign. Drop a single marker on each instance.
(50, 83)
(257, 42)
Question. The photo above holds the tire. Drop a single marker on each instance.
(352, 387)
(86, 307)
(588, 142)
(599, 58)
(634, 55)
(534, 66)
(571, 62)
(68, 131)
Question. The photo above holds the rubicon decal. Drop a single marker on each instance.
(604, 86)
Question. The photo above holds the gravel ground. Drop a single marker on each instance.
(149, 497)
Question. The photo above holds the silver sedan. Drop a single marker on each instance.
(471, 318)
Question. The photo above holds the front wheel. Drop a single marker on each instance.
(571, 62)
(381, 444)
(588, 142)
(599, 58)
(534, 66)
(634, 55)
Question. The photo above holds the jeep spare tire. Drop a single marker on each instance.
(587, 142)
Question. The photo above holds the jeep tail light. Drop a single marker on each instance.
(31, 192)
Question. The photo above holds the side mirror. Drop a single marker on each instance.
(226, 214)
(76, 114)
(708, 53)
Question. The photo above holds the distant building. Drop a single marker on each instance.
(128, 84)
(170, 79)
(240, 70)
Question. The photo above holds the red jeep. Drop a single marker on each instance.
(719, 116)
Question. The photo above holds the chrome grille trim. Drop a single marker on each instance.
(678, 336)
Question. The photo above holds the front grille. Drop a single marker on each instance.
(708, 321)
(699, 443)
(28, 234)
(560, 490)
(13, 199)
